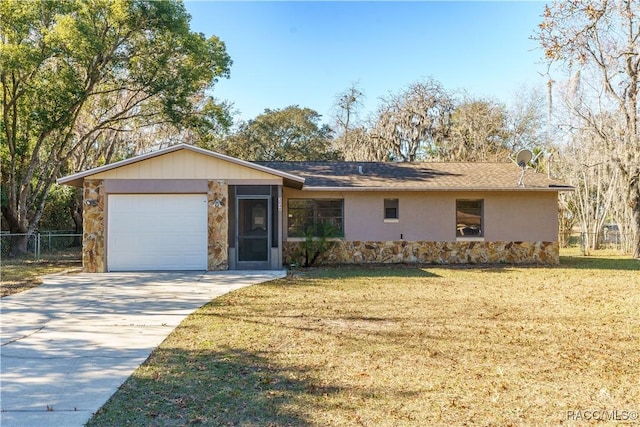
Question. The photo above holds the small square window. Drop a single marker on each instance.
(391, 209)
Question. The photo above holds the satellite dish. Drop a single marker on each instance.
(523, 158)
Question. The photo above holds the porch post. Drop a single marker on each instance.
(217, 213)
(93, 226)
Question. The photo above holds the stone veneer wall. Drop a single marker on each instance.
(218, 246)
(400, 251)
(93, 226)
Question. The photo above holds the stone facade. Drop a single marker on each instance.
(218, 240)
(93, 260)
(400, 251)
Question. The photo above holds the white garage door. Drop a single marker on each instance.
(157, 232)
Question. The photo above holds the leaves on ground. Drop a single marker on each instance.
(399, 346)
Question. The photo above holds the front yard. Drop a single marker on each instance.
(21, 275)
(400, 346)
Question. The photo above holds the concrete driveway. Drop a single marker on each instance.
(67, 345)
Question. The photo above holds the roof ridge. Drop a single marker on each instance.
(381, 162)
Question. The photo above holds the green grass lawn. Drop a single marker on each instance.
(394, 346)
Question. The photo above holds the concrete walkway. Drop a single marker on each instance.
(67, 345)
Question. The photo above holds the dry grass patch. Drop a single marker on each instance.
(19, 276)
(400, 346)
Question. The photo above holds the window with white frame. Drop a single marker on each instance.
(315, 216)
(469, 218)
(391, 209)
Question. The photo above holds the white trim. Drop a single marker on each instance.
(391, 220)
(470, 239)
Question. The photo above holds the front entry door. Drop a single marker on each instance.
(253, 231)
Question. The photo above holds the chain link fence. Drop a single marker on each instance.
(609, 240)
(53, 245)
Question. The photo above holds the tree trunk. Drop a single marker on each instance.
(635, 216)
(17, 244)
(76, 215)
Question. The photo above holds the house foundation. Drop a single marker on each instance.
(422, 252)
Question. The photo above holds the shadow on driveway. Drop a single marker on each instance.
(68, 344)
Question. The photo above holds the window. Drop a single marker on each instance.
(391, 209)
(469, 218)
(312, 215)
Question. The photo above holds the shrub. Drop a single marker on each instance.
(317, 242)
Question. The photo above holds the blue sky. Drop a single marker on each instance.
(305, 53)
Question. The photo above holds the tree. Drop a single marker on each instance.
(135, 137)
(526, 123)
(347, 104)
(602, 39)
(477, 132)
(125, 63)
(292, 133)
(57, 213)
(413, 123)
(594, 180)
(366, 146)
(425, 121)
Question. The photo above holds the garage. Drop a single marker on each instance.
(175, 209)
(156, 232)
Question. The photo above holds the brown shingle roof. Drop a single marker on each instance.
(436, 176)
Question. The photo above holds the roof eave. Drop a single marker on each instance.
(441, 189)
(76, 179)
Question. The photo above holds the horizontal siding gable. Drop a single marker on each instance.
(184, 164)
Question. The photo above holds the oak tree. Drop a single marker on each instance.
(288, 134)
(121, 63)
(411, 124)
(478, 132)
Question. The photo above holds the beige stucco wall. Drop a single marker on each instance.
(185, 164)
(430, 216)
